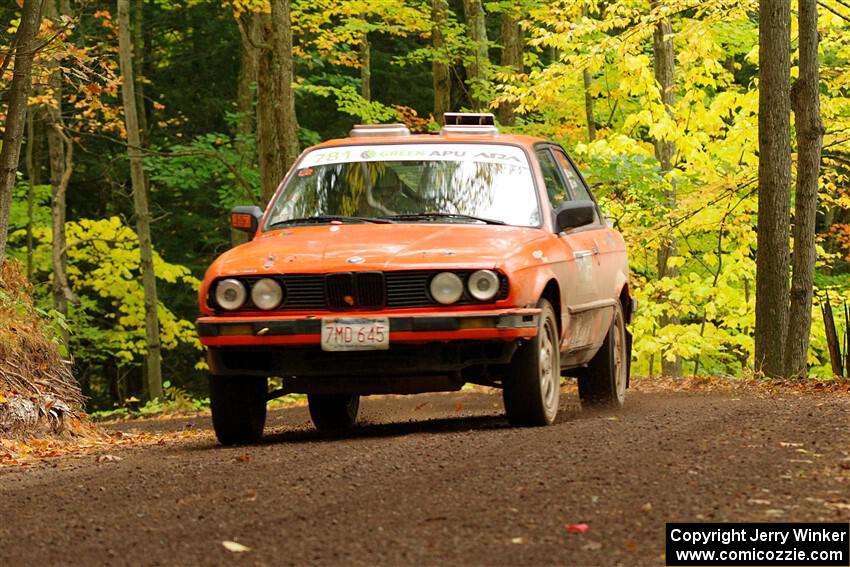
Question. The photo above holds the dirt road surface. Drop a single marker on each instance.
(438, 480)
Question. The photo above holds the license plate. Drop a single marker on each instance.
(355, 333)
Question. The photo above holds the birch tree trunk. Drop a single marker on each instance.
(478, 59)
(140, 201)
(16, 112)
(439, 65)
(662, 44)
(774, 185)
(805, 100)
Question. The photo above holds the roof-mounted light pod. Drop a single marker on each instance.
(379, 130)
(475, 123)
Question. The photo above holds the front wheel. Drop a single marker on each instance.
(238, 406)
(333, 412)
(532, 389)
(603, 382)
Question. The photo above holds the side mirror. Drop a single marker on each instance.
(246, 218)
(574, 214)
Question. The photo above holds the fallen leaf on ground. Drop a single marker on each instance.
(721, 383)
(235, 547)
(518, 540)
(647, 507)
(85, 440)
(577, 528)
(107, 458)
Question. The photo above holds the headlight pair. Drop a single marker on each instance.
(230, 294)
(447, 287)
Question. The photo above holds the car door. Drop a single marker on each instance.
(596, 238)
(576, 276)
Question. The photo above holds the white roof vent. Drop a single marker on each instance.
(476, 123)
(378, 130)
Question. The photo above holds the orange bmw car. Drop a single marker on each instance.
(395, 263)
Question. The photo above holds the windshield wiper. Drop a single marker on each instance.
(435, 215)
(319, 219)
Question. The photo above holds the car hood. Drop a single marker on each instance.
(328, 248)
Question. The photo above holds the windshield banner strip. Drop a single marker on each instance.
(484, 153)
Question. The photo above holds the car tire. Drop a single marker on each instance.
(238, 406)
(603, 383)
(531, 390)
(333, 412)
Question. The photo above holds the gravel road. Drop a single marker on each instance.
(438, 480)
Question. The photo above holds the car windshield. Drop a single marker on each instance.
(447, 183)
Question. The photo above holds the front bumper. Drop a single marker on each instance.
(256, 331)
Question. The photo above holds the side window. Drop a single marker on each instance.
(574, 182)
(555, 187)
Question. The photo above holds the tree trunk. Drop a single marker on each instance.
(588, 99)
(365, 67)
(16, 112)
(774, 185)
(439, 65)
(246, 86)
(805, 99)
(277, 126)
(287, 122)
(140, 201)
(588, 105)
(512, 50)
(245, 92)
(61, 149)
(662, 45)
(139, 50)
(268, 146)
(30, 191)
(61, 158)
(478, 63)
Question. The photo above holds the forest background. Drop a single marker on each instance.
(657, 100)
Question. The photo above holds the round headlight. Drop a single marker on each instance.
(230, 294)
(266, 294)
(446, 288)
(483, 285)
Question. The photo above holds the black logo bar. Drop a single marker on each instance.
(758, 544)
